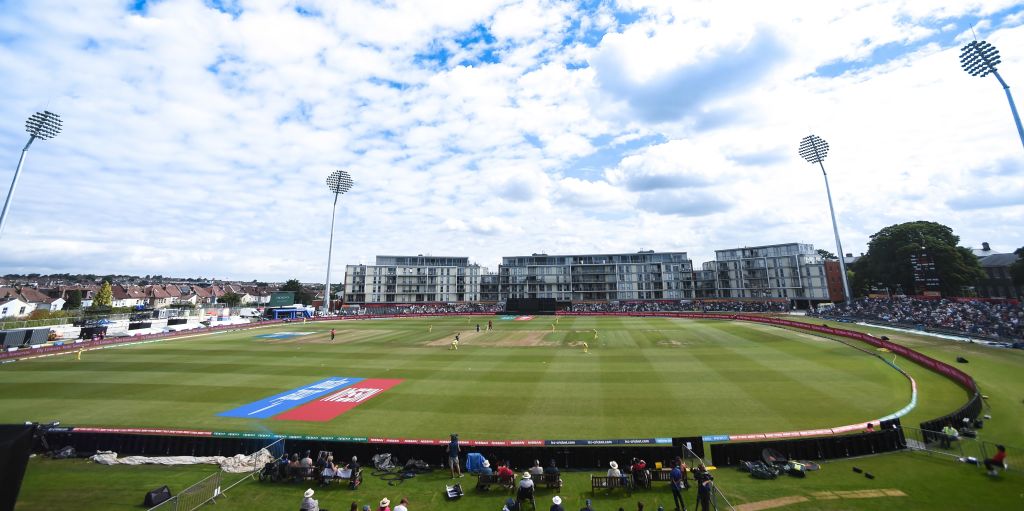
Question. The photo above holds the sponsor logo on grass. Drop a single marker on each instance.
(524, 318)
(273, 405)
(282, 335)
(328, 407)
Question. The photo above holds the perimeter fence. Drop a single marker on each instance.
(211, 487)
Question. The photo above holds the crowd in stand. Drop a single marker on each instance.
(684, 306)
(450, 308)
(1004, 321)
(662, 306)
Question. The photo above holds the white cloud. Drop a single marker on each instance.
(196, 142)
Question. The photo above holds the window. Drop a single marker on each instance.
(22, 311)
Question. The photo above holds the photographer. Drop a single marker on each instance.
(705, 487)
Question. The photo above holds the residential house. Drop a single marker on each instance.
(202, 295)
(158, 297)
(174, 292)
(40, 300)
(88, 293)
(243, 292)
(128, 296)
(13, 307)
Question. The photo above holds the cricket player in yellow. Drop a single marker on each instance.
(586, 347)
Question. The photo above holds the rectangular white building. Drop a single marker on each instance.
(413, 279)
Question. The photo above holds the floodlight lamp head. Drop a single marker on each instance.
(979, 58)
(339, 182)
(43, 125)
(813, 149)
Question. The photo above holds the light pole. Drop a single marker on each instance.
(42, 125)
(814, 149)
(979, 58)
(338, 182)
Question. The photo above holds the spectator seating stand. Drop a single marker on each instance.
(610, 483)
(484, 482)
(552, 481)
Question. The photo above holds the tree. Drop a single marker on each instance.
(231, 299)
(825, 254)
(301, 295)
(887, 261)
(74, 300)
(1017, 268)
(104, 297)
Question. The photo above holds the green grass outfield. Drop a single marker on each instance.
(903, 481)
(192, 375)
(643, 377)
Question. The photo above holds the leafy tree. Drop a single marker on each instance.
(104, 297)
(887, 261)
(231, 299)
(301, 294)
(74, 300)
(825, 254)
(1017, 268)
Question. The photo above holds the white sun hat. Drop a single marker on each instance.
(613, 465)
(308, 494)
(556, 499)
(526, 475)
(385, 502)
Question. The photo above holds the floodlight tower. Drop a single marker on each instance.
(979, 58)
(814, 149)
(42, 125)
(338, 182)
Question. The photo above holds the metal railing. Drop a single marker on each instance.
(194, 496)
(208, 489)
(961, 448)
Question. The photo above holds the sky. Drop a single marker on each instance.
(198, 134)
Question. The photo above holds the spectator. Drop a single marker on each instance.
(486, 469)
(587, 506)
(556, 504)
(306, 461)
(638, 469)
(330, 470)
(949, 434)
(1002, 321)
(536, 469)
(997, 461)
(354, 467)
(510, 505)
(353, 507)
(614, 470)
(552, 468)
(703, 479)
(526, 491)
(403, 505)
(677, 479)
(385, 505)
(453, 455)
(505, 474)
(309, 503)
